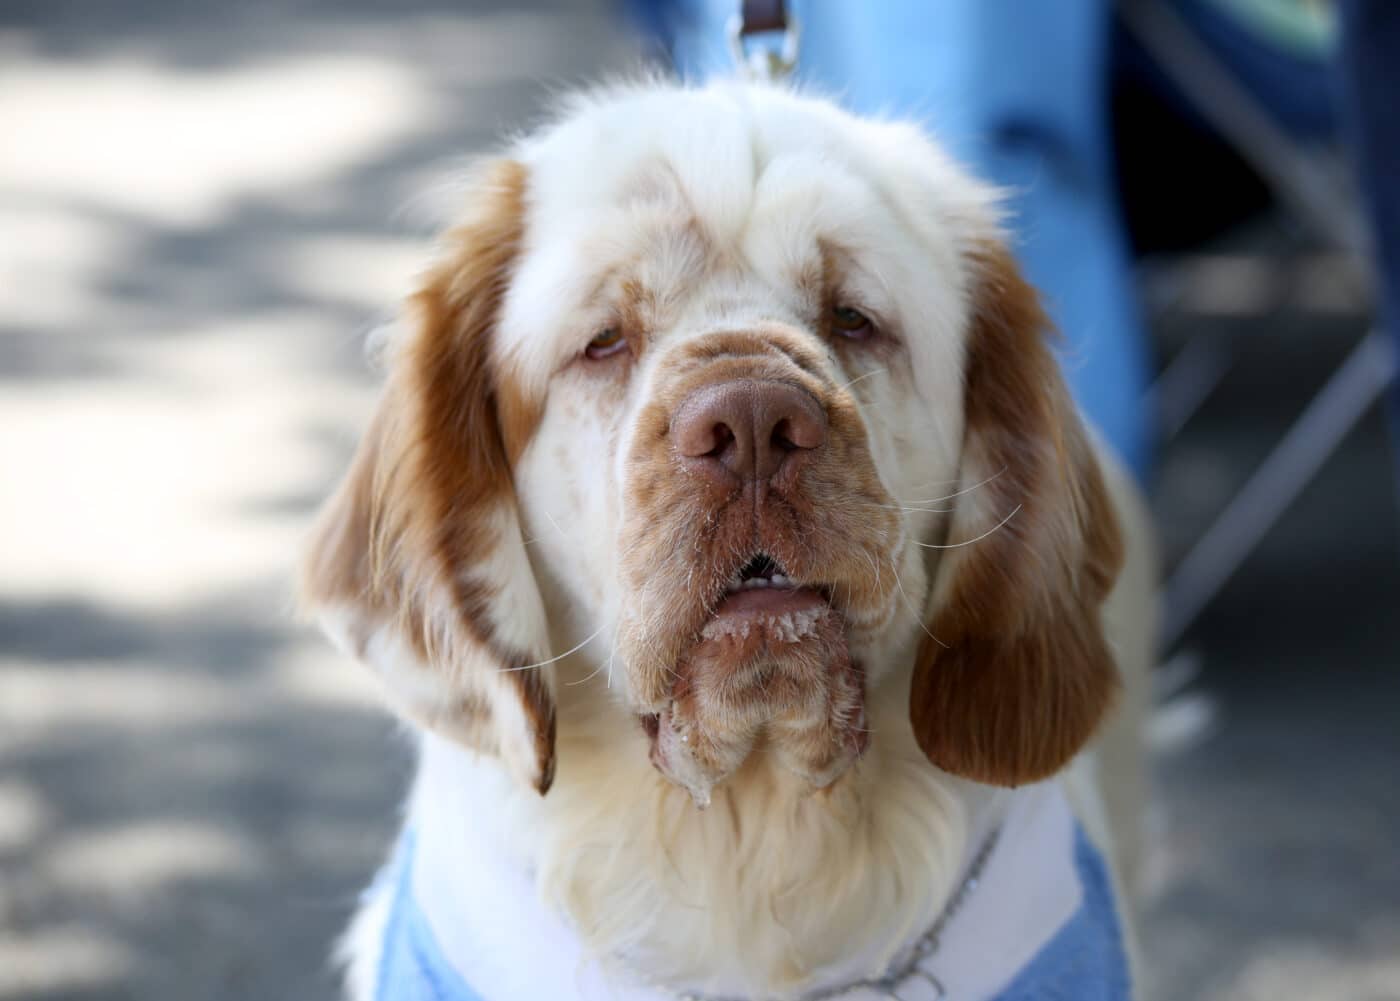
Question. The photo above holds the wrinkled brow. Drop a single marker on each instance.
(631, 264)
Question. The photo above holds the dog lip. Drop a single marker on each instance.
(769, 601)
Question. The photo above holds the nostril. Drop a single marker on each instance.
(722, 436)
(783, 439)
(699, 432)
(804, 428)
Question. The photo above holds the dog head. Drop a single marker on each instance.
(742, 401)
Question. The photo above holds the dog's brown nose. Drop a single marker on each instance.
(747, 428)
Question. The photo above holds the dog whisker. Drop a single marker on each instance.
(550, 518)
(612, 653)
(587, 677)
(909, 604)
(552, 660)
(968, 542)
(557, 528)
(901, 507)
(861, 378)
(958, 493)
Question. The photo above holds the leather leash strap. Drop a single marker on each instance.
(773, 56)
(762, 15)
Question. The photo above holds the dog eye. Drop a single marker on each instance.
(851, 324)
(606, 343)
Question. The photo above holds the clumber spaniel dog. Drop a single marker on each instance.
(728, 535)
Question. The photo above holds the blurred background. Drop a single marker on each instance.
(203, 210)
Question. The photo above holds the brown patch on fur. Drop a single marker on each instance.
(419, 508)
(1021, 675)
(636, 310)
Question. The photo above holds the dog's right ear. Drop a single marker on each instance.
(1020, 675)
(417, 565)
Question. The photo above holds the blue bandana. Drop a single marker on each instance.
(412, 966)
(1084, 961)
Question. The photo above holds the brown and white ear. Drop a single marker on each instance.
(1020, 675)
(417, 565)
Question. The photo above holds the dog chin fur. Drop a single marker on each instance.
(773, 890)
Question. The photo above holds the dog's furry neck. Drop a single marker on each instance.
(754, 895)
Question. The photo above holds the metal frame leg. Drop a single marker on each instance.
(1280, 478)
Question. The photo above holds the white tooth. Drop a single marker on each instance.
(778, 580)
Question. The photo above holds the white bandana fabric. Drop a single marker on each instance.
(1040, 925)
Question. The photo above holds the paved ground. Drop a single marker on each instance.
(202, 210)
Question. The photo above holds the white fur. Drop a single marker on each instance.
(768, 173)
(773, 887)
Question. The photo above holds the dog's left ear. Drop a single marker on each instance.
(418, 565)
(1019, 675)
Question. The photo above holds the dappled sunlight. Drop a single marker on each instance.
(322, 841)
(205, 213)
(182, 147)
(151, 488)
(1304, 969)
(315, 674)
(37, 700)
(132, 860)
(24, 815)
(373, 272)
(61, 959)
(45, 248)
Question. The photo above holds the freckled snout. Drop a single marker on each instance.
(757, 540)
(747, 429)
